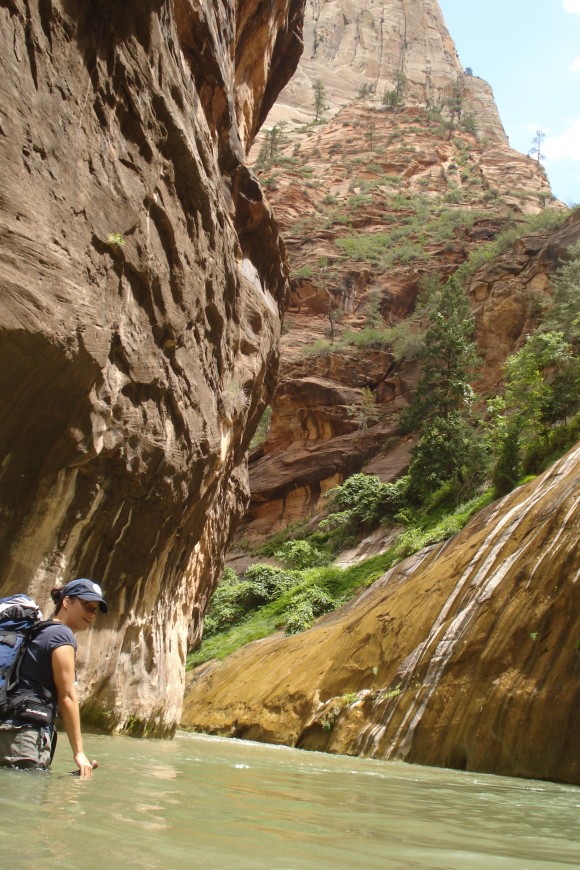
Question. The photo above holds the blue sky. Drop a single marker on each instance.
(529, 52)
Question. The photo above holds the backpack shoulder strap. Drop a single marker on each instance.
(29, 635)
(44, 623)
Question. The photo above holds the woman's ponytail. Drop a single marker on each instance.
(57, 596)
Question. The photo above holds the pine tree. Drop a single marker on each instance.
(370, 135)
(448, 357)
(536, 149)
(319, 99)
(455, 104)
(448, 449)
(564, 313)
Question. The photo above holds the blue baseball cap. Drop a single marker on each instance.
(86, 590)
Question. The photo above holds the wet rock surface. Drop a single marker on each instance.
(464, 655)
(142, 279)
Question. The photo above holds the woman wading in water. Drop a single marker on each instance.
(47, 677)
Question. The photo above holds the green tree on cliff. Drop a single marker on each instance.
(448, 356)
(538, 412)
(542, 392)
(273, 140)
(370, 135)
(455, 104)
(395, 98)
(563, 314)
(448, 451)
(320, 105)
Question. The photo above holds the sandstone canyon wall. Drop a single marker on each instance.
(465, 655)
(142, 279)
(417, 196)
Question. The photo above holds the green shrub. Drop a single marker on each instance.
(304, 272)
(563, 309)
(267, 582)
(358, 200)
(231, 601)
(408, 253)
(291, 532)
(301, 554)
(367, 337)
(116, 240)
(454, 195)
(365, 500)
(320, 347)
(449, 453)
(405, 340)
(235, 598)
(468, 123)
(393, 497)
(305, 606)
(319, 590)
(359, 494)
(263, 429)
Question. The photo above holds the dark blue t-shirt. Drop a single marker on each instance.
(36, 665)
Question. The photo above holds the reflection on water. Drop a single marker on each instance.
(205, 802)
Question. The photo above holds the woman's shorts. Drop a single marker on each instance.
(25, 746)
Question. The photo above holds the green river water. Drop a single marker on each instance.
(206, 802)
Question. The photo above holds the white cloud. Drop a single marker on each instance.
(566, 146)
(575, 65)
(572, 6)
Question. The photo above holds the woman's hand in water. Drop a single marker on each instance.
(84, 765)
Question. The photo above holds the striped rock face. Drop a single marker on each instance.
(464, 655)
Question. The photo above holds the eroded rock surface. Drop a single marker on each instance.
(465, 655)
(506, 295)
(142, 279)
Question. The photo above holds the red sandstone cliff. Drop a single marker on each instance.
(371, 203)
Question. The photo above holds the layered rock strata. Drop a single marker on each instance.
(465, 655)
(142, 279)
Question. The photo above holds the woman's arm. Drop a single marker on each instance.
(63, 671)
